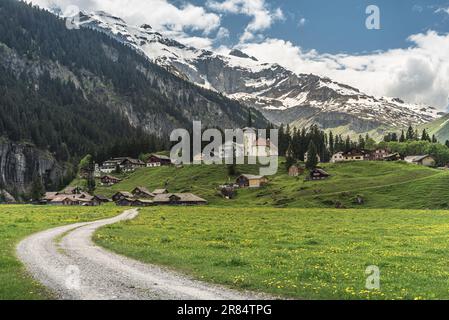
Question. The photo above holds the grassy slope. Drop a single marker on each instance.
(301, 253)
(17, 222)
(382, 185)
(439, 128)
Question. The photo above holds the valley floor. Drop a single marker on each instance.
(297, 253)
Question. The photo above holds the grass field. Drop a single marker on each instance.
(381, 184)
(17, 222)
(299, 253)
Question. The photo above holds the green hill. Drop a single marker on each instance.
(379, 184)
(439, 128)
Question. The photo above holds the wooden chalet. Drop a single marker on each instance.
(121, 195)
(109, 180)
(422, 160)
(378, 155)
(295, 171)
(142, 203)
(251, 181)
(178, 199)
(102, 198)
(392, 157)
(125, 202)
(75, 200)
(142, 192)
(156, 160)
(318, 174)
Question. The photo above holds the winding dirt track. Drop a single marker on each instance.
(66, 261)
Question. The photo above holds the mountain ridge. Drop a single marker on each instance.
(280, 94)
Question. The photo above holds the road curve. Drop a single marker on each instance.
(66, 261)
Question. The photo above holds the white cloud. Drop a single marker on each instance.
(161, 14)
(262, 16)
(418, 74)
(302, 22)
(442, 10)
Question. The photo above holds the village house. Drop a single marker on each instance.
(109, 180)
(251, 181)
(319, 174)
(124, 163)
(295, 171)
(125, 202)
(156, 160)
(337, 157)
(102, 198)
(83, 199)
(142, 203)
(392, 157)
(422, 160)
(378, 155)
(122, 195)
(351, 155)
(142, 192)
(178, 199)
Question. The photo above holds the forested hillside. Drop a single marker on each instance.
(78, 91)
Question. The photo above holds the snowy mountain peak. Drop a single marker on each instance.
(282, 95)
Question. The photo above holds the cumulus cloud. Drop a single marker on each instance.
(160, 13)
(263, 17)
(418, 74)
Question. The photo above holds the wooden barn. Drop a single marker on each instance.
(295, 171)
(251, 181)
(178, 199)
(109, 180)
(142, 192)
(319, 174)
(156, 160)
(121, 195)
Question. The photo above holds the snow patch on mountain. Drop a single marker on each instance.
(268, 87)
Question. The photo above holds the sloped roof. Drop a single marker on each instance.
(162, 157)
(321, 171)
(160, 191)
(416, 158)
(183, 197)
(126, 194)
(143, 190)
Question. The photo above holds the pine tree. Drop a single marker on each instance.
(37, 188)
(402, 138)
(410, 134)
(434, 139)
(312, 156)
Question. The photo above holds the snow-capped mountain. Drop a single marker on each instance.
(282, 96)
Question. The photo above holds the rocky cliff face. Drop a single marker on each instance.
(19, 163)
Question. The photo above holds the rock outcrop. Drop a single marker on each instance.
(20, 163)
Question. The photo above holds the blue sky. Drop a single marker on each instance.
(407, 58)
(334, 26)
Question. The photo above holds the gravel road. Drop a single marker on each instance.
(66, 261)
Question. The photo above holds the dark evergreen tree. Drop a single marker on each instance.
(312, 156)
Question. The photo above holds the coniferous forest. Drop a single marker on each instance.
(63, 90)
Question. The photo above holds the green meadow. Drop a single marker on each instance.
(286, 239)
(295, 253)
(19, 221)
(380, 184)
